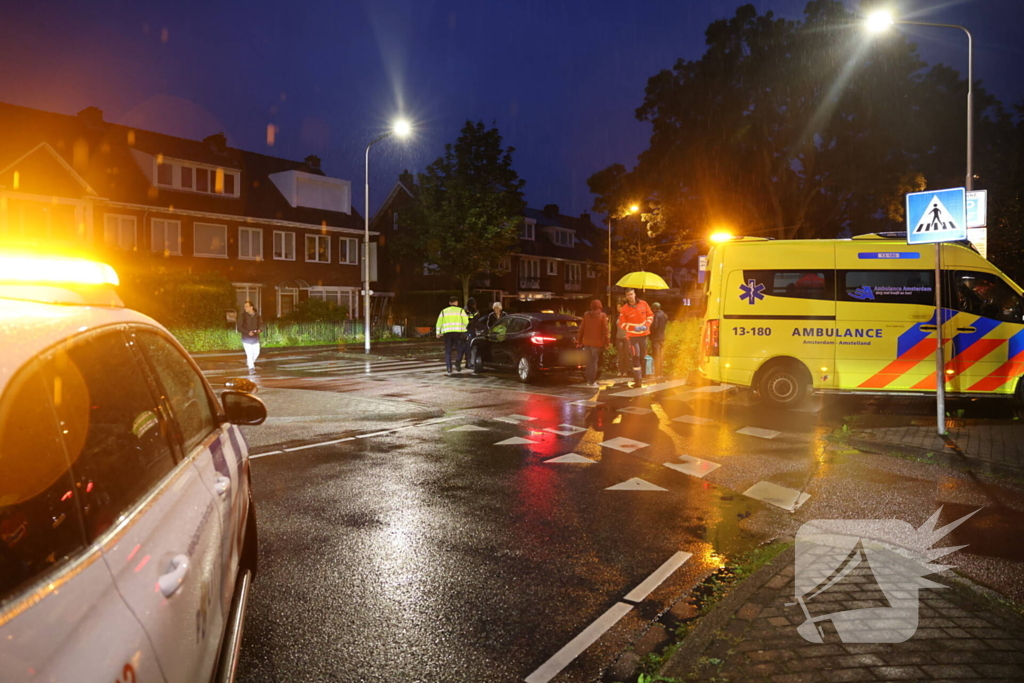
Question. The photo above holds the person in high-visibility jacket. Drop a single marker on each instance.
(636, 318)
(452, 324)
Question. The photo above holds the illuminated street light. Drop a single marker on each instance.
(633, 208)
(402, 129)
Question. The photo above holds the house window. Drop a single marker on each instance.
(526, 232)
(552, 267)
(209, 240)
(349, 250)
(529, 268)
(287, 300)
(229, 182)
(563, 238)
(318, 248)
(505, 264)
(119, 231)
(186, 177)
(250, 244)
(247, 292)
(284, 245)
(394, 221)
(202, 180)
(166, 237)
(572, 273)
(165, 174)
(591, 271)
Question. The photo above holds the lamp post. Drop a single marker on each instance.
(633, 208)
(876, 23)
(401, 128)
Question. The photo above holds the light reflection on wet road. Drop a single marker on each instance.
(436, 555)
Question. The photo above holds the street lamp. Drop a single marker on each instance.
(877, 22)
(633, 208)
(402, 129)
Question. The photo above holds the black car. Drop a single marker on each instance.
(529, 344)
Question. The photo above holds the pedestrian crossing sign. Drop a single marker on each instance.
(937, 216)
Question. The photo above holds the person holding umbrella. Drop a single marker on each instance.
(636, 318)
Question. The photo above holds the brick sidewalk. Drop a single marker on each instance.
(998, 443)
(752, 635)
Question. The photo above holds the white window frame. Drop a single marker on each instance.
(248, 288)
(591, 271)
(119, 231)
(253, 234)
(199, 254)
(552, 267)
(531, 266)
(175, 184)
(573, 274)
(285, 235)
(286, 291)
(348, 247)
(563, 238)
(316, 250)
(167, 222)
(528, 231)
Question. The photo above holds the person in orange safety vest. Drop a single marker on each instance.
(636, 318)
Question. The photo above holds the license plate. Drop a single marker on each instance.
(573, 357)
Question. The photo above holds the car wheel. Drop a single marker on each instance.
(784, 385)
(1018, 400)
(477, 361)
(525, 369)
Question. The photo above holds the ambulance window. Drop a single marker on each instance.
(40, 522)
(889, 286)
(795, 284)
(114, 429)
(987, 295)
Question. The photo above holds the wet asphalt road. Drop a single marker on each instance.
(396, 549)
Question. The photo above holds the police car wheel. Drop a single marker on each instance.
(783, 385)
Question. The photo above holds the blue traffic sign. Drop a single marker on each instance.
(937, 216)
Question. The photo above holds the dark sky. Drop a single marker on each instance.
(560, 78)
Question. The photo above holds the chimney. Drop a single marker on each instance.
(313, 161)
(551, 210)
(406, 179)
(217, 141)
(92, 116)
(585, 217)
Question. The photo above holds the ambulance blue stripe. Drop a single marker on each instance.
(1016, 344)
(915, 335)
(964, 340)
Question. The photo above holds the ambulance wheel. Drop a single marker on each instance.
(1018, 400)
(784, 384)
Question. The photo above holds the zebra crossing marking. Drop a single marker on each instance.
(635, 484)
(572, 458)
(695, 467)
(786, 498)
(758, 432)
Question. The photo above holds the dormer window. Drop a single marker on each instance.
(193, 177)
(526, 231)
(563, 238)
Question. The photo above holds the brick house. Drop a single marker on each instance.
(281, 231)
(557, 256)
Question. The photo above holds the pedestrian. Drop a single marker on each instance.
(451, 324)
(471, 315)
(496, 314)
(251, 326)
(658, 338)
(593, 337)
(636, 318)
(621, 344)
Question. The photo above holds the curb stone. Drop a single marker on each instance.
(685, 657)
(946, 458)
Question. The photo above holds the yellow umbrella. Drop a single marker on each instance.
(641, 279)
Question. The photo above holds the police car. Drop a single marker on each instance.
(127, 531)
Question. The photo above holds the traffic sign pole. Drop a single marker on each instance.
(940, 364)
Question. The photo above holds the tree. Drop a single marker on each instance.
(468, 206)
(794, 128)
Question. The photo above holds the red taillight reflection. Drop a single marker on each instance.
(709, 344)
(542, 340)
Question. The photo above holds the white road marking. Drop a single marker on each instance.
(572, 458)
(640, 593)
(779, 496)
(521, 418)
(693, 420)
(426, 423)
(636, 410)
(469, 428)
(515, 441)
(320, 443)
(263, 455)
(575, 647)
(652, 388)
(693, 466)
(587, 404)
(621, 443)
(758, 432)
(635, 484)
(566, 430)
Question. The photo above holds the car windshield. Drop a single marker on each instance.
(559, 325)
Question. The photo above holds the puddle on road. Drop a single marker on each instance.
(993, 532)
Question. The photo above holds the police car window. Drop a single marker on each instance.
(40, 523)
(795, 284)
(889, 286)
(114, 432)
(184, 387)
(987, 295)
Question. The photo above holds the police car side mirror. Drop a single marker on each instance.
(243, 409)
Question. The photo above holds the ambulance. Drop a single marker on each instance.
(857, 316)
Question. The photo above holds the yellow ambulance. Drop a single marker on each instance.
(858, 316)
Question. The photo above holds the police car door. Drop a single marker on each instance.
(217, 452)
(155, 520)
(61, 618)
